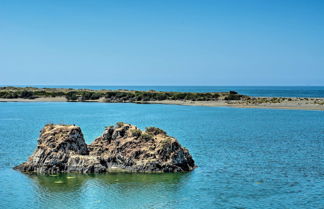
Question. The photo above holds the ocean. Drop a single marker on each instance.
(247, 158)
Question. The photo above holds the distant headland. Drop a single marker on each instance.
(218, 99)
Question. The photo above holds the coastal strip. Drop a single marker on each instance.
(212, 99)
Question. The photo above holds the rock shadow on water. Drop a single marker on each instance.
(128, 181)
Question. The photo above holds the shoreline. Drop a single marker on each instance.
(211, 99)
(292, 105)
(256, 106)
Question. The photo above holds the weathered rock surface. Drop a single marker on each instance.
(121, 148)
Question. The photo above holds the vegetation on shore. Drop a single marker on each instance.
(151, 96)
(113, 95)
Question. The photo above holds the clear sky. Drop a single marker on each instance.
(166, 42)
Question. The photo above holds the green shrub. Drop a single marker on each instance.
(40, 93)
(72, 96)
(136, 132)
(180, 96)
(120, 124)
(155, 130)
(56, 94)
(233, 97)
(215, 95)
(110, 94)
(138, 98)
(88, 95)
(167, 140)
(147, 137)
(26, 94)
(85, 95)
(9, 95)
(161, 96)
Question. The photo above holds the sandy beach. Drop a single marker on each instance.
(295, 104)
(41, 99)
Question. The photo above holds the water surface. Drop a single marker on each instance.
(247, 158)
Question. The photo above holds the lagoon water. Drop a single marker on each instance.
(247, 158)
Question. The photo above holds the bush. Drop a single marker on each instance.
(27, 94)
(147, 137)
(179, 96)
(215, 96)
(72, 96)
(56, 94)
(136, 132)
(110, 94)
(161, 96)
(40, 93)
(119, 124)
(96, 95)
(86, 95)
(3, 94)
(233, 97)
(155, 130)
(167, 140)
(9, 95)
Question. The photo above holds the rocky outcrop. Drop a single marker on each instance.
(121, 148)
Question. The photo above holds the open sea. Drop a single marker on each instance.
(247, 158)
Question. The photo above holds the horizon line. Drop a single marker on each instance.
(30, 85)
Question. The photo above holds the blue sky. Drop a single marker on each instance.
(169, 42)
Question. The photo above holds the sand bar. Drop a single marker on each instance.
(293, 105)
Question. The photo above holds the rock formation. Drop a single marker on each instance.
(121, 148)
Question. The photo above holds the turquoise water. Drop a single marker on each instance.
(247, 158)
(261, 91)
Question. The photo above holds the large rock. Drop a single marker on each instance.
(121, 148)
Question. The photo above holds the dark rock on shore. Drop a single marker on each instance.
(121, 148)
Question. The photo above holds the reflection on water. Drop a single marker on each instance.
(101, 190)
(73, 182)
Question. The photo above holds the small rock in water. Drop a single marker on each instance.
(121, 148)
